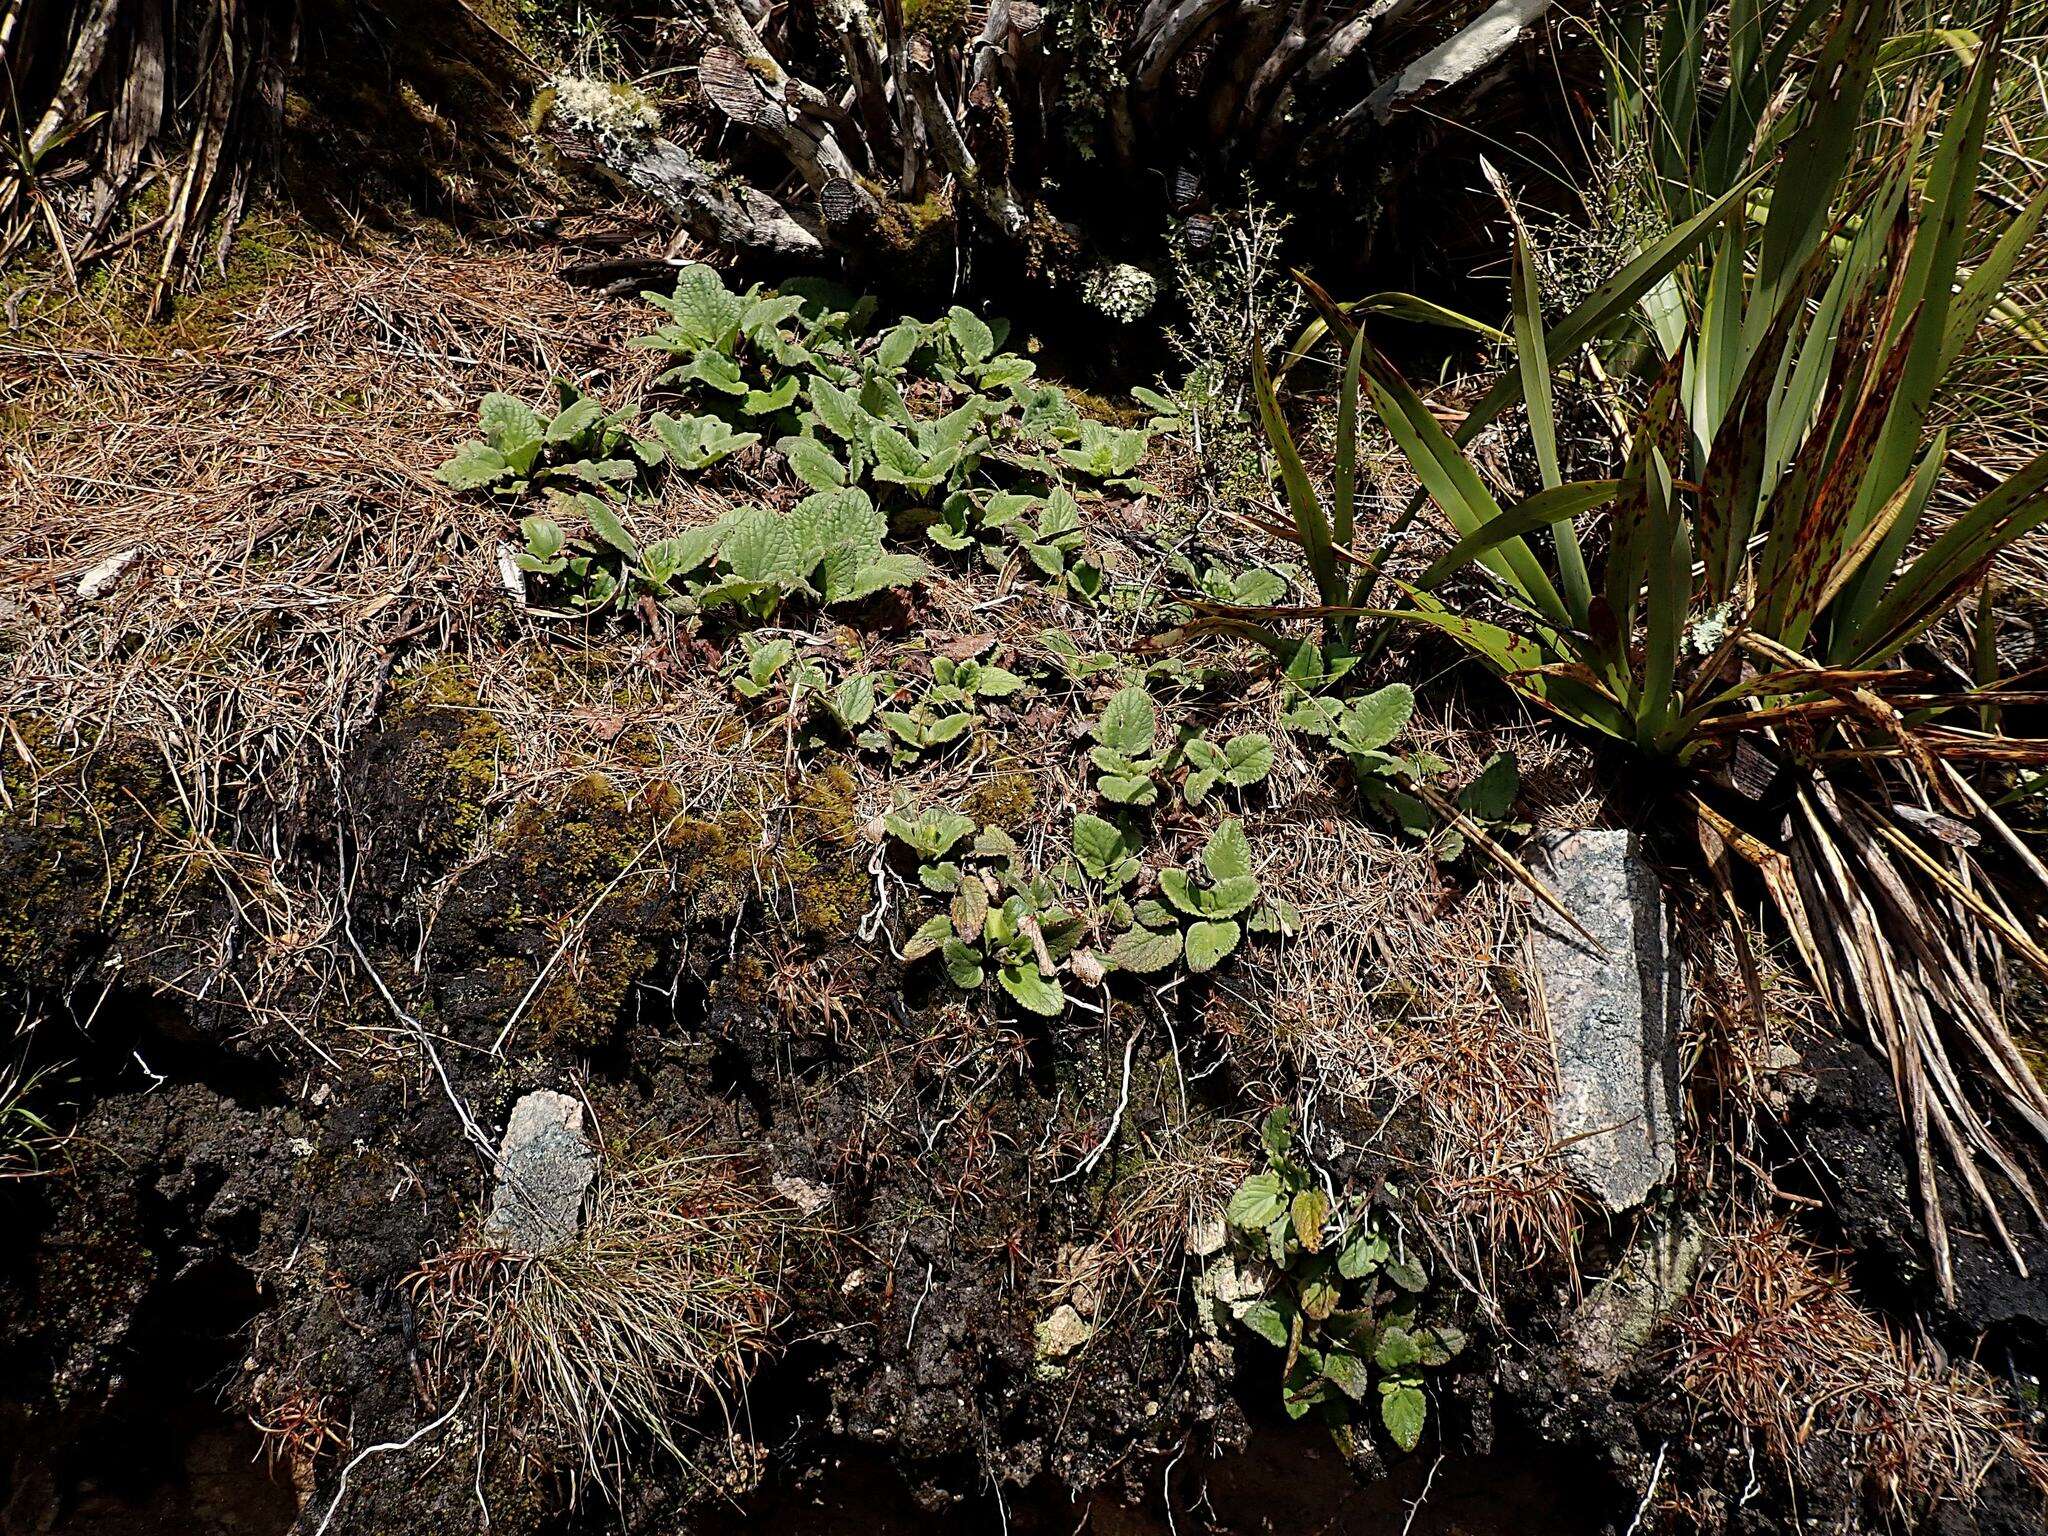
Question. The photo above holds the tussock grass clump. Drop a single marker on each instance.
(660, 1308)
(1775, 1343)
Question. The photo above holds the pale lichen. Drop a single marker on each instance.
(613, 113)
(1121, 291)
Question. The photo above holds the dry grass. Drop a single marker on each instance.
(1774, 1344)
(261, 465)
(659, 1309)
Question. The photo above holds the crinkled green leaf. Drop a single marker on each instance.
(1145, 950)
(473, 466)
(930, 937)
(1403, 1410)
(1040, 994)
(1208, 943)
(1258, 1201)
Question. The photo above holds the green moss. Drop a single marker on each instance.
(437, 755)
(914, 240)
(940, 18)
(1103, 409)
(625, 878)
(1006, 800)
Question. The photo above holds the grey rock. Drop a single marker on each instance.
(544, 1166)
(1616, 1321)
(1613, 1017)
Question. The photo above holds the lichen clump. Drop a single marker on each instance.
(1121, 291)
(616, 114)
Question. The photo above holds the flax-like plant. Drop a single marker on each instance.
(1771, 570)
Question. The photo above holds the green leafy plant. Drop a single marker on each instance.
(772, 668)
(1044, 530)
(1131, 763)
(520, 449)
(1362, 729)
(944, 711)
(827, 547)
(1204, 914)
(1106, 851)
(1123, 754)
(804, 359)
(1254, 587)
(1000, 921)
(691, 442)
(1345, 1302)
(1240, 763)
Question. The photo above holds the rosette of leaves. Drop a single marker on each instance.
(1202, 917)
(1057, 441)
(772, 665)
(610, 566)
(1000, 920)
(1253, 587)
(1345, 1303)
(870, 432)
(945, 711)
(1106, 851)
(1103, 452)
(967, 352)
(753, 348)
(1240, 762)
(1488, 799)
(1363, 728)
(1045, 530)
(828, 546)
(520, 449)
(691, 442)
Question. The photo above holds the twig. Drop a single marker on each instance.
(1428, 1482)
(1649, 1493)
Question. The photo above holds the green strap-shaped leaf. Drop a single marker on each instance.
(1612, 300)
(1454, 484)
(2016, 507)
(1554, 508)
(1310, 524)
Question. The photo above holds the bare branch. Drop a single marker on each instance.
(997, 202)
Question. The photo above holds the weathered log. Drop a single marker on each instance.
(713, 206)
(1466, 55)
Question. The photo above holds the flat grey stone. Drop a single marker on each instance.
(1613, 1018)
(544, 1166)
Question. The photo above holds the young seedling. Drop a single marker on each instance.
(1241, 762)
(1123, 752)
(519, 450)
(946, 709)
(1203, 918)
